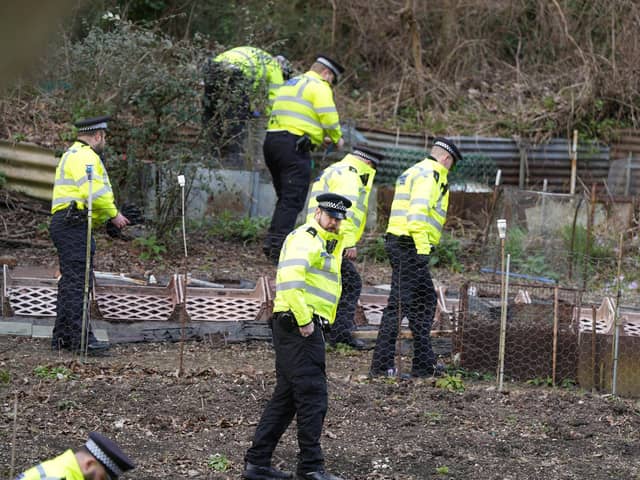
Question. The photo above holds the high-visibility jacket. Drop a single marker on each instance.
(351, 177)
(304, 104)
(64, 466)
(71, 183)
(257, 65)
(420, 204)
(308, 276)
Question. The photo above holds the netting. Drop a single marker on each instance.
(71, 232)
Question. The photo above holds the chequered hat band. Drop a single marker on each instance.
(97, 452)
(366, 156)
(329, 65)
(447, 148)
(333, 206)
(97, 126)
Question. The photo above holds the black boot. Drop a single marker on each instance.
(320, 475)
(259, 472)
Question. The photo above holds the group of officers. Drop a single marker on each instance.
(317, 283)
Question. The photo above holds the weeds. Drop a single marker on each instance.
(52, 373)
(452, 383)
(151, 248)
(5, 377)
(219, 462)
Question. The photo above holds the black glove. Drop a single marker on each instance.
(115, 232)
(133, 214)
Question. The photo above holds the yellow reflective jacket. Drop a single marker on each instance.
(304, 104)
(420, 204)
(71, 183)
(308, 276)
(258, 66)
(351, 177)
(64, 466)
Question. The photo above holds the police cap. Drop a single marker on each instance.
(335, 205)
(332, 65)
(91, 124)
(108, 453)
(367, 153)
(449, 146)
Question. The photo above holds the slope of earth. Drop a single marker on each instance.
(173, 425)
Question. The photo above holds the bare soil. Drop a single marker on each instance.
(375, 429)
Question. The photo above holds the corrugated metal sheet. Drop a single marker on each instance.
(624, 177)
(549, 161)
(28, 168)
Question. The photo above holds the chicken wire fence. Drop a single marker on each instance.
(568, 240)
(71, 231)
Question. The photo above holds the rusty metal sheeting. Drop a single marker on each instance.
(549, 161)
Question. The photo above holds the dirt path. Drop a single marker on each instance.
(374, 430)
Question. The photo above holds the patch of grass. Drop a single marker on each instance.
(218, 462)
(471, 375)
(540, 382)
(229, 226)
(342, 349)
(52, 373)
(443, 470)
(5, 377)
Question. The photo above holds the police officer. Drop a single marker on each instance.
(68, 228)
(98, 459)
(307, 292)
(304, 116)
(351, 177)
(418, 214)
(236, 83)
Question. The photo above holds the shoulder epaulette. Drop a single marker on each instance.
(436, 175)
(312, 231)
(353, 169)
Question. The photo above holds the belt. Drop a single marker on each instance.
(282, 133)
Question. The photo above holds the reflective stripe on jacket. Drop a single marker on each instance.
(304, 104)
(64, 466)
(71, 183)
(308, 276)
(257, 65)
(420, 203)
(345, 178)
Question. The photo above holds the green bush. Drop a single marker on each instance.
(228, 226)
(446, 253)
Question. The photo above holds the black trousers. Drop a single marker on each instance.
(291, 174)
(71, 242)
(413, 296)
(351, 288)
(301, 390)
